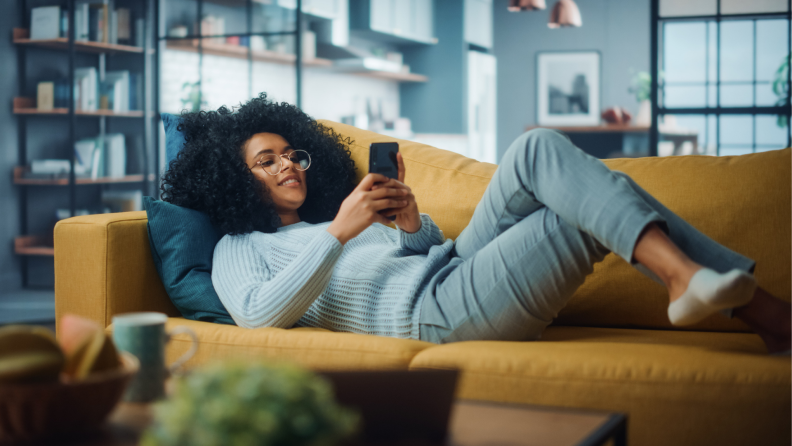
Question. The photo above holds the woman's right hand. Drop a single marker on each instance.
(361, 208)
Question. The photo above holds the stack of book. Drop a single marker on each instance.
(94, 20)
(121, 91)
(99, 157)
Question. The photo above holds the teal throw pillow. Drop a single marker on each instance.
(182, 244)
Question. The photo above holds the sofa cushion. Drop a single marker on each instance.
(742, 202)
(701, 387)
(312, 347)
(174, 139)
(182, 245)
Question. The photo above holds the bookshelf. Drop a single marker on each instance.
(49, 56)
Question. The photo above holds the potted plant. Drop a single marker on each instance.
(781, 89)
(641, 87)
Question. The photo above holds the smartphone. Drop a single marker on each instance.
(382, 160)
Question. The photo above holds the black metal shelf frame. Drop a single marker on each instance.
(162, 37)
(146, 185)
(717, 110)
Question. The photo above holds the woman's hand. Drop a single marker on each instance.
(362, 207)
(408, 219)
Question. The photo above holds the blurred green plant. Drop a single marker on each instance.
(192, 96)
(641, 86)
(781, 89)
(250, 404)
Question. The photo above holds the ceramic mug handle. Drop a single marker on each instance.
(193, 348)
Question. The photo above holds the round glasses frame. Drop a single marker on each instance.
(293, 156)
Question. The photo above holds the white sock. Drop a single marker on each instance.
(710, 291)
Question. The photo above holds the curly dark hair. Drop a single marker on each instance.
(210, 174)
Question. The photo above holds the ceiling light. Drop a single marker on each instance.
(526, 5)
(565, 13)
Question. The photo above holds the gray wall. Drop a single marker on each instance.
(9, 217)
(618, 29)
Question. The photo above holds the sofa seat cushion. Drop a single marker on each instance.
(314, 348)
(677, 380)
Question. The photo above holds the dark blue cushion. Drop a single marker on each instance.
(182, 244)
(174, 139)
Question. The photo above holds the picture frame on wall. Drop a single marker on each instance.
(568, 88)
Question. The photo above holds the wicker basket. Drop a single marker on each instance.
(32, 412)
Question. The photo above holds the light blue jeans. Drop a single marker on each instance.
(548, 215)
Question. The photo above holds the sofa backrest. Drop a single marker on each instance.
(741, 202)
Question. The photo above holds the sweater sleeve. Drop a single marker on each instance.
(256, 298)
(426, 237)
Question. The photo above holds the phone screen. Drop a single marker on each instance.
(382, 159)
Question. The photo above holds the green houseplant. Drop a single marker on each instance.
(781, 89)
(250, 404)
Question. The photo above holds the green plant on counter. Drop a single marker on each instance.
(641, 86)
(193, 98)
(251, 404)
(781, 89)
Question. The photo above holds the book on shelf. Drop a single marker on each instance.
(121, 91)
(86, 85)
(50, 167)
(102, 156)
(115, 155)
(45, 22)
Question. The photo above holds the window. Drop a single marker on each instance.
(722, 86)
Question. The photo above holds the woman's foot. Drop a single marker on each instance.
(707, 292)
(771, 319)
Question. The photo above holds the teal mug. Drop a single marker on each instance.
(144, 335)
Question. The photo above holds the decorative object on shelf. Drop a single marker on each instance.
(568, 88)
(565, 13)
(526, 5)
(45, 96)
(235, 402)
(45, 22)
(781, 89)
(616, 115)
(178, 31)
(641, 87)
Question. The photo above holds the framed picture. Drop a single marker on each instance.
(568, 88)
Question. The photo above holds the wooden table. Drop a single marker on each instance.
(473, 423)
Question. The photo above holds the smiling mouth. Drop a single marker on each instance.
(290, 181)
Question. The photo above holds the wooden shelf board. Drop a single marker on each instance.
(62, 43)
(27, 106)
(19, 179)
(240, 52)
(390, 75)
(34, 245)
(594, 129)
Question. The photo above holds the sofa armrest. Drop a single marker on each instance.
(103, 267)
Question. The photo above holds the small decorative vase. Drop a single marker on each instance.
(644, 117)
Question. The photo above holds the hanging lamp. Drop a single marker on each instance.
(526, 5)
(565, 13)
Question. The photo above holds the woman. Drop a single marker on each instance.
(305, 246)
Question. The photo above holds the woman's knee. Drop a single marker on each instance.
(541, 139)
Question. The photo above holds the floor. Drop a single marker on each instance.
(28, 307)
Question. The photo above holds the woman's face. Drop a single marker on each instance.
(287, 188)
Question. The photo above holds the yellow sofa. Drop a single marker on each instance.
(612, 348)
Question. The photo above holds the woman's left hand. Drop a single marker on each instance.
(408, 219)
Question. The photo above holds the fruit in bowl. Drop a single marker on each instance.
(49, 389)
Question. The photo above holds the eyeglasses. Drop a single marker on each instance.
(273, 165)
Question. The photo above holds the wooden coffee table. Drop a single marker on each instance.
(473, 423)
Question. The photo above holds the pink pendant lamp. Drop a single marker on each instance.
(565, 13)
(526, 5)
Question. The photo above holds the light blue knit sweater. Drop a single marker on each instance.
(303, 276)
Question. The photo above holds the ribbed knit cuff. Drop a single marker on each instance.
(426, 237)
